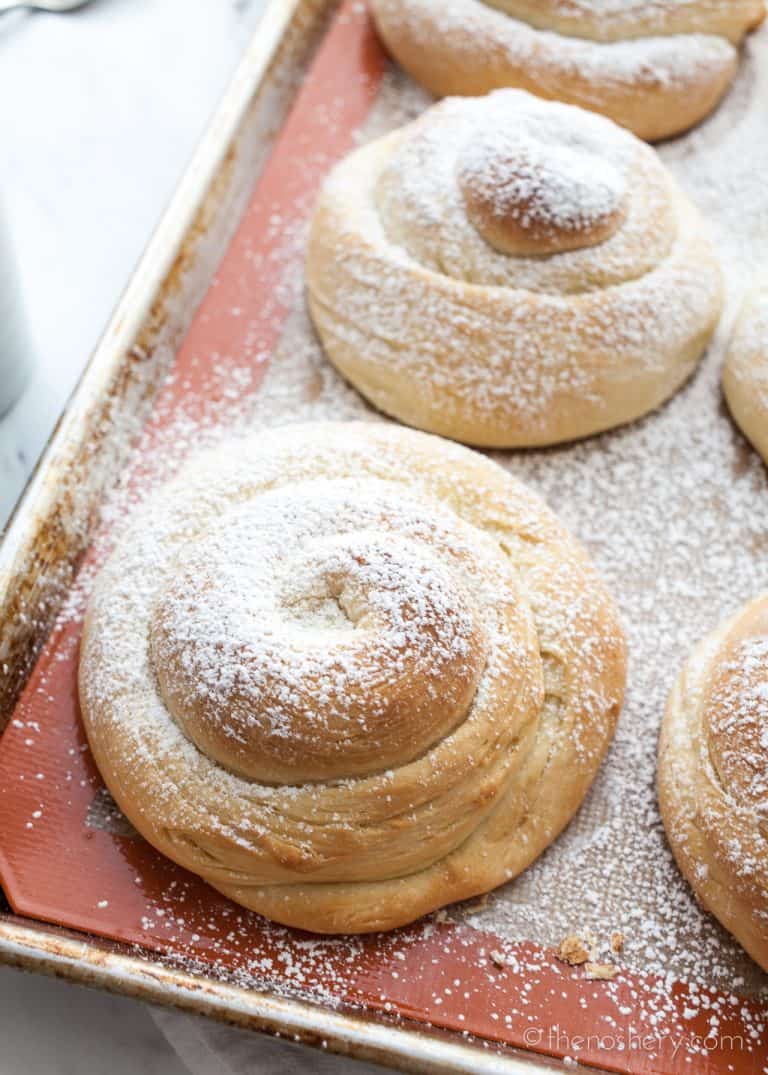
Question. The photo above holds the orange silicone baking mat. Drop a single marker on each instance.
(67, 857)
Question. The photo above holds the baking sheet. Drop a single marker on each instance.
(674, 511)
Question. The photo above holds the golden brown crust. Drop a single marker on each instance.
(745, 376)
(439, 327)
(656, 69)
(418, 521)
(713, 769)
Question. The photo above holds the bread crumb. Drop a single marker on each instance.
(498, 959)
(617, 941)
(478, 905)
(572, 951)
(600, 971)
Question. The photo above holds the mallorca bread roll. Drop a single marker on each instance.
(656, 68)
(348, 673)
(713, 775)
(510, 272)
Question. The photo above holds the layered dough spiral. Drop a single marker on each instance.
(713, 775)
(511, 272)
(745, 377)
(348, 674)
(656, 68)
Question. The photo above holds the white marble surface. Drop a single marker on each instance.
(101, 111)
(51, 1027)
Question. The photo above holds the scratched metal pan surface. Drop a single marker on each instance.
(55, 519)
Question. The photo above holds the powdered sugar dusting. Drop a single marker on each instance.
(748, 353)
(633, 61)
(614, 20)
(593, 169)
(295, 622)
(394, 262)
(738, 725)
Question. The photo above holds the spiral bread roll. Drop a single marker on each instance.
(713, 775)
(349, 673)
(745, 377)
(656, 68)
(510, 272)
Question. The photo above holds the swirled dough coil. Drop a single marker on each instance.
(509, 272)
(349, 673)
(713, 775)
(656, 68)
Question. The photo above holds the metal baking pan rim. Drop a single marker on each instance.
(60, 953)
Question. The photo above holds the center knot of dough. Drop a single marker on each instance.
(541, 188)
(319, 633)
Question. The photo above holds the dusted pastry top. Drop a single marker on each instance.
(511, 272)
(349, 673)
(626, 20)
(656, 68)
(713, 775)
(510, 191)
